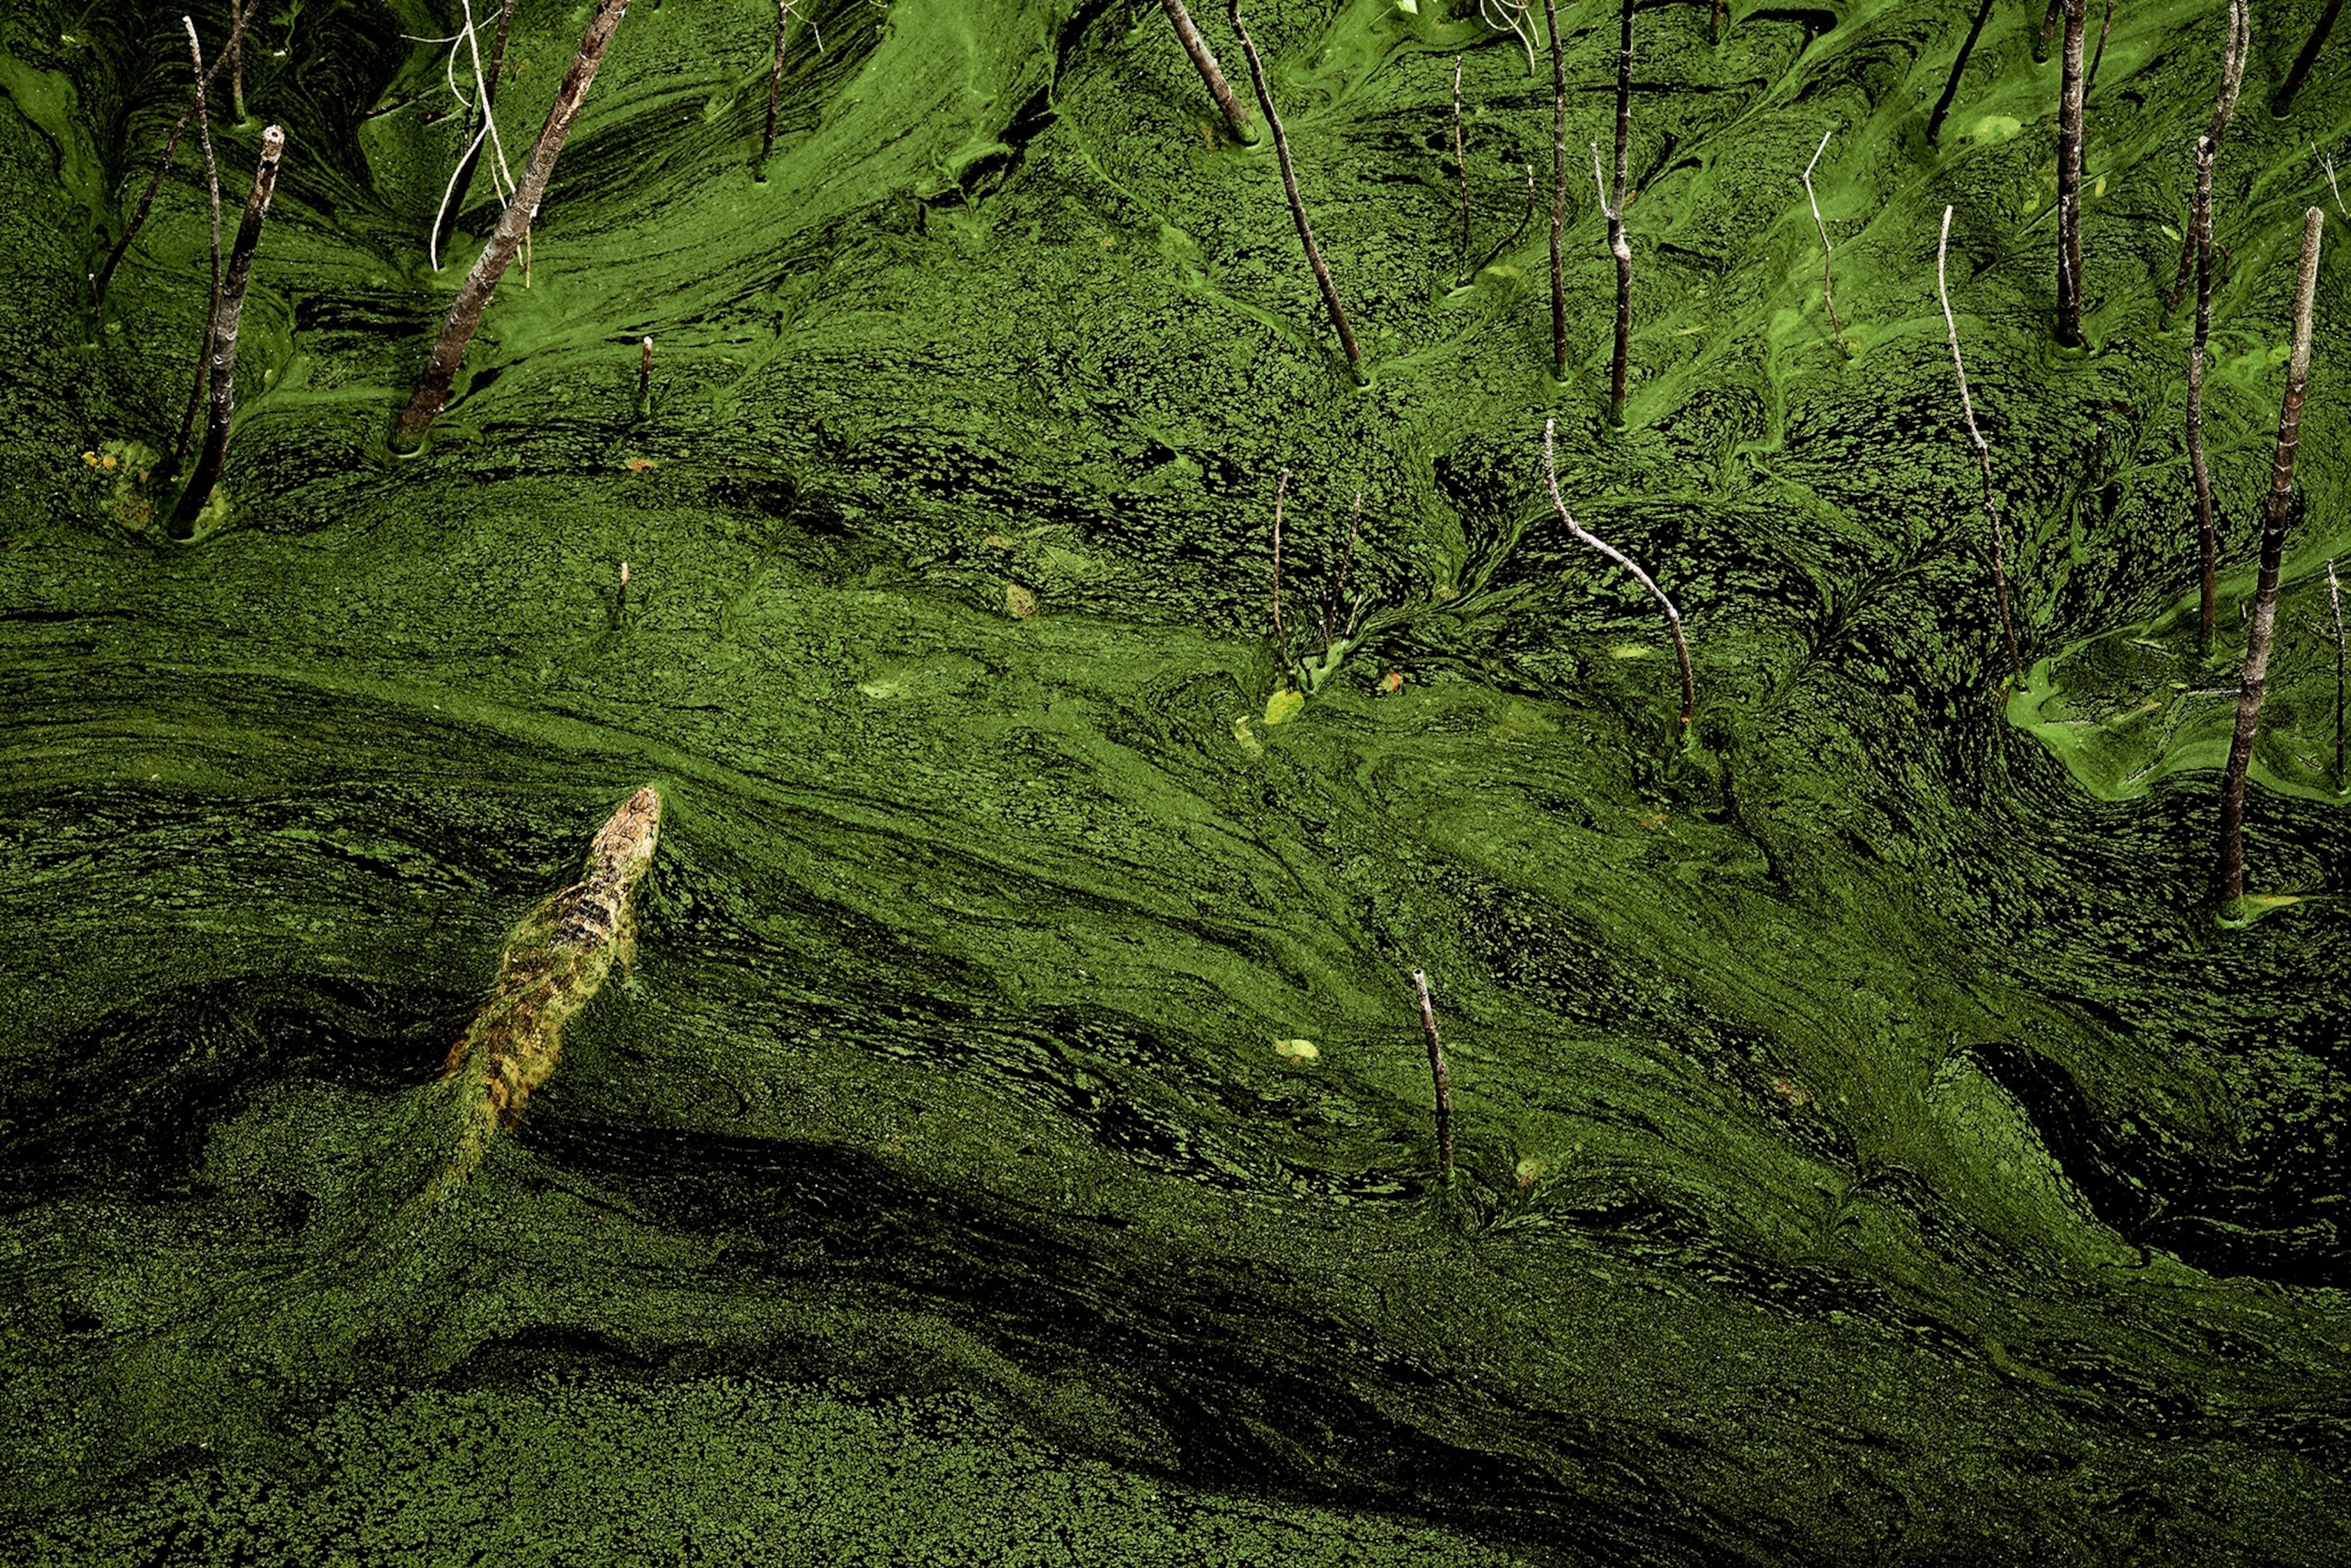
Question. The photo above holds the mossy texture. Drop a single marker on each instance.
(1868, 1148)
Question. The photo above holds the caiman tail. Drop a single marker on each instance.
(552, 964)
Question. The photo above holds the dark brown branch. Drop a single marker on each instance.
(474, 295)
(225, 316)
(1212, 75)
(1983, 459)
(2199, 237)
(1673, 616)
(1290, 185)
(2274, 522)
(2233, 48)
(1557, 192)
(1436, 1071)
(2069, 177)
(1618, 246)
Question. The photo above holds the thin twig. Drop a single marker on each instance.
(1673, 616)
(1290, 186)
(2274, 523)
(1983, 457)
(1511, 15)
(235, 61)
(1558, 193)
(1618, 246)
(1280, 638)
(1339, 593)
(200, 388)
(105, 274)
(1436, 1071)
(1828, 253)
(2199, 237)
(1461, 163)
(484, 104)
(2342, 667)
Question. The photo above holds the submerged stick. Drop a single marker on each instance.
(2233, 48)
(2278, 517)
(646, 381)
(1673, 616)
(1958, 67)
(225, 316)
(1828, 252)
(1461, 163)
(1618, 246)
(2069, 177)
(2200, 238)
(1212, 75)
(200, 389)
(1436, 1071)
(1983, 458)
(1290, 185)
(775, 85)
(474, 295)
(1558, 193)
(235, 61)
(2283, 104)
(553, 964)
(2342, 667)
(486, 83)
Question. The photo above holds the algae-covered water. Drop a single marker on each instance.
(1869, 1148)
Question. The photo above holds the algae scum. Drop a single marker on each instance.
(1011, 1138)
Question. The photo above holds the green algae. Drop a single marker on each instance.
(1911, 1178)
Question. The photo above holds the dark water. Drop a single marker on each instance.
(1869, 1149)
